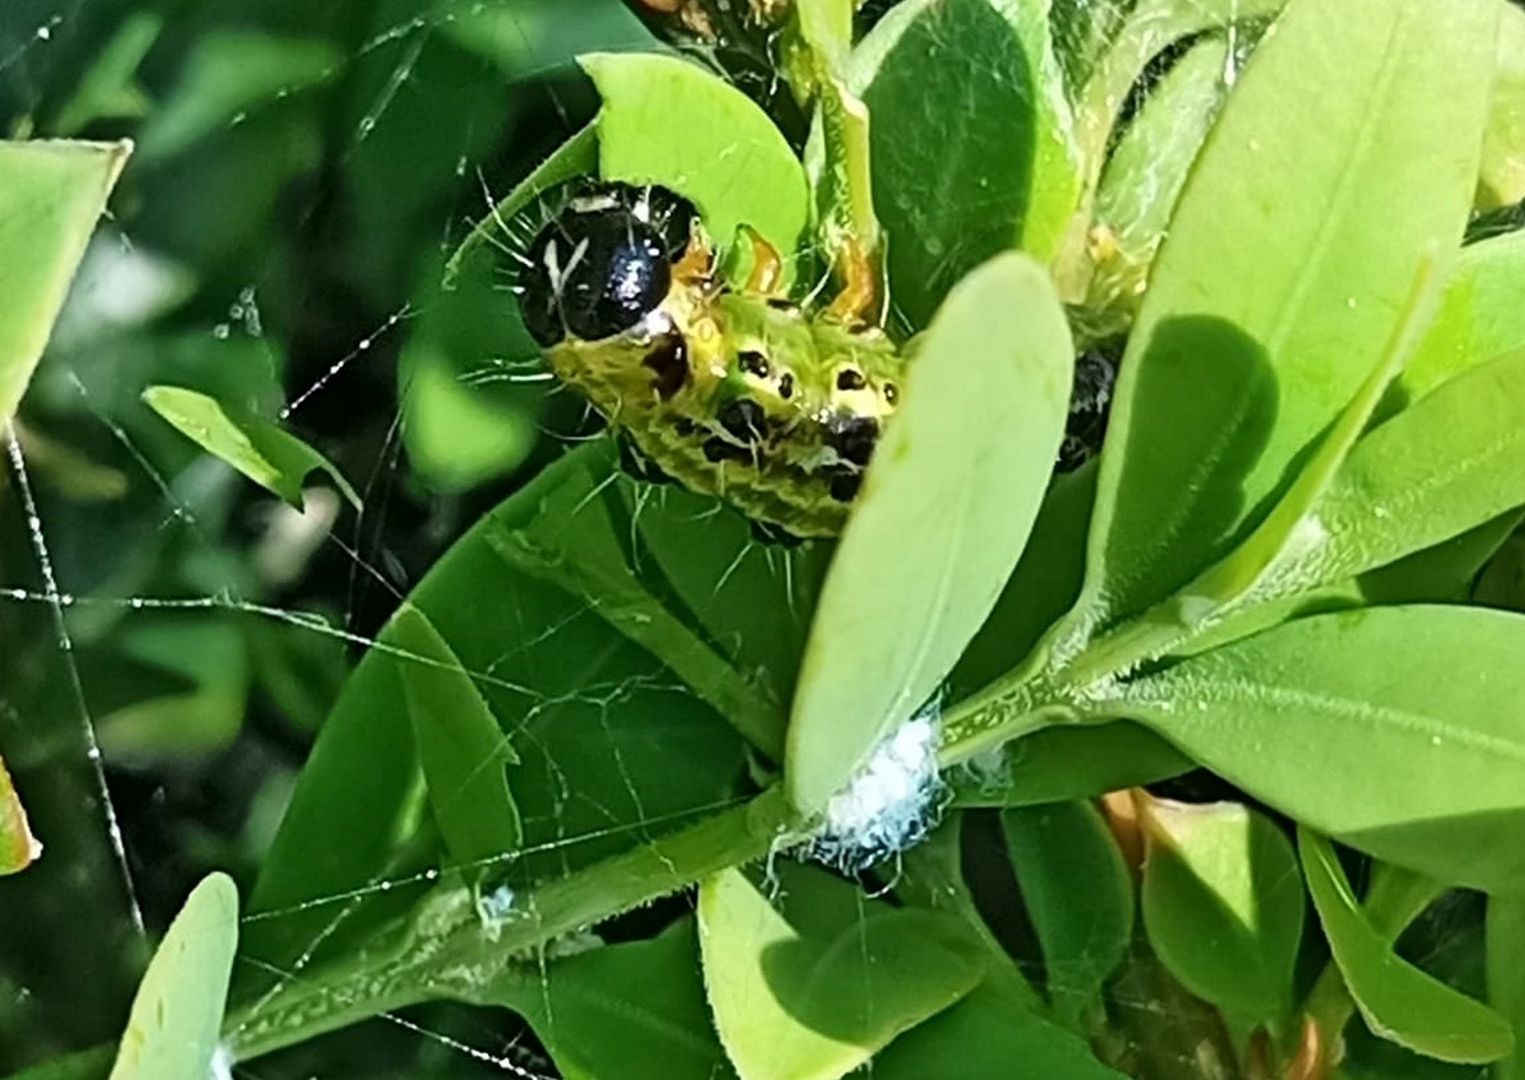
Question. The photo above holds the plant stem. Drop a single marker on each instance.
(445, 949)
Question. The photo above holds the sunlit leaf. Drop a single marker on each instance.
(263, 451)
(462, 750)
(1061, 852)
(1061, 763)
(730, 160)
(1430, 766)
(945, 512)
(1274, 293)
(1223, 904)
(18, 847)
(1398, 1001)
(1503, 176)
(1479, 317)
(177, 1013)
(813, 991)
(51, 194)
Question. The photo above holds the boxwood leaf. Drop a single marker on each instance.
(18, 847)
(1398, 1001)
(1503, 176)
(806, 994)
(1506, 977)
(1431, 766)
(946, 508)
(1146, 171)
(1222, 904)
(1480, 317)
(51, 194)
(727, 156)
(988, 1034)
(1274, 293)
(969, 135)
(1059, 763)
(461, 748)
(634, 1010)
(177, 1012)
(578, 156)
(1060, 852)
(263, 451)
(1451, 462)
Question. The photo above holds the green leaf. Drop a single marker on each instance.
(1445, 465)
(173, 1029)
(969, 137)
(578, 156)
(636, 1010)
(1397, 1000)
(1040, 590)
(207, 651)
(1061, 852)
(1274, 293)
(591, 560)
(1431, 766)
(18, 847)
(1503, 176)
(1506, 977)
(51, 194)
(611, 745)
(730, 161)
(1480, 317)
(946, 508)
(813, 991)
(1148, 168)
(232, 72)
(1057, 764)
(461, 748)
(109, 89)
(1223, 904)
(988, 1037)
(263, 451)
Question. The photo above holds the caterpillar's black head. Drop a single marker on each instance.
(604, 262)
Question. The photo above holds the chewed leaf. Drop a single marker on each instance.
(1398, 1001)
(51, 194)
(1275, 290)
(1420, 712)
(1223, 904)
(18, 847)
(667, 121)
(462, 749)
(947, 504)
(177, 1013)
(813, 991)
(263, 451)
(578, 156)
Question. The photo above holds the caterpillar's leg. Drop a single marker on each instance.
(855, 303)
(767, 265)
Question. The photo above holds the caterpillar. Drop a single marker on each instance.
(733, 392)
